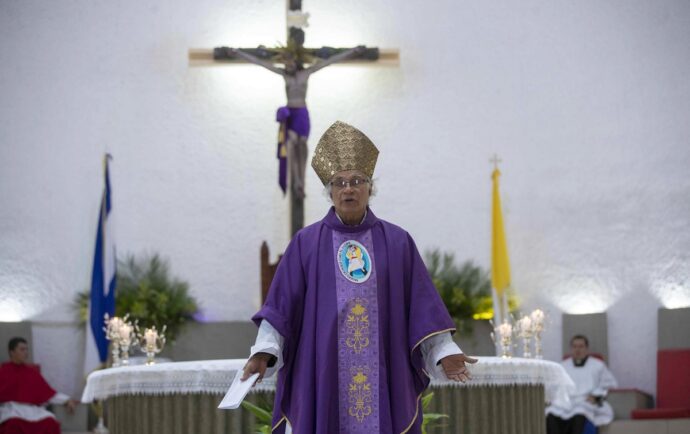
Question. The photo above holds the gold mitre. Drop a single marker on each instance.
(343, 147)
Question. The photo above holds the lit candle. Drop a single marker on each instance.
(537, 315)
(537, 320)
(114, 326)
(525, 324)
(505, 329)
(150, 335)
(125, 331)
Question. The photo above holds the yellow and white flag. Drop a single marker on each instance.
(500, 265)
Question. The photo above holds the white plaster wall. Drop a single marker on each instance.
(586, 102)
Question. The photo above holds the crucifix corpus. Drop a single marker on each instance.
(298, 63)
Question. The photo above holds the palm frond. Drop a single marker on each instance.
(262, 415)
(464, 288)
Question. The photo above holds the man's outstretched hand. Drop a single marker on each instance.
(454, 367)
(257, 363)
(71, 405)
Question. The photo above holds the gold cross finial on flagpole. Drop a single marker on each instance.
(495, 160)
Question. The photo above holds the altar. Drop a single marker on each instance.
(505, 396)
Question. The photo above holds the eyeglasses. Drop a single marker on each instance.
(357, 181)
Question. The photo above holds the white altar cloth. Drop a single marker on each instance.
(215, 377)
(203, 376)
(497, 371)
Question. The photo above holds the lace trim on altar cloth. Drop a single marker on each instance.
(215, 377)
(497, 371)
(210, 376)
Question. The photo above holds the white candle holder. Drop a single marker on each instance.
(100, 428)
(112, 333)
(504, 334)
(151, 343)
(538, 318)
(524, 331)
(126, 336)
(115, 351)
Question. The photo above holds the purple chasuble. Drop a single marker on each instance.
(331, 349)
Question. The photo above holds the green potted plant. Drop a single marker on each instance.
(465, 289)
(430, 420)
(148, 293)
(263, 414)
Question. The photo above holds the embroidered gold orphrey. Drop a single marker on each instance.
(358, 340)
(358, 326)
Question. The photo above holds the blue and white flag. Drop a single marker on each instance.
(103, 282)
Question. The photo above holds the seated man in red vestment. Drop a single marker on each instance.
(24, 393)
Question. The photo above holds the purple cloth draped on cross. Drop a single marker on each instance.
(295, 119)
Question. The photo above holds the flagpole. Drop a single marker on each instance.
(102, 292)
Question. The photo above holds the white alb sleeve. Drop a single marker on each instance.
(605, 382)
(436, 348)
(268, 340)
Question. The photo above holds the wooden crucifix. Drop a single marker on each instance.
(298, 63)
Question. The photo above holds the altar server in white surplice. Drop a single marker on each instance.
(592, 380)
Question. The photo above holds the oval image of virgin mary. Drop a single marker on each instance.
(354, 261)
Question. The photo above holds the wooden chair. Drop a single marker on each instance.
(268, 270)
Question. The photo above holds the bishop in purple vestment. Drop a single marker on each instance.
(352, 323)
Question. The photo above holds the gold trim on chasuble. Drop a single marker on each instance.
(452, 329)
(416, 412)
(282, 419)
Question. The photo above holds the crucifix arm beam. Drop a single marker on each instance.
(352, 52)
(219, 56)
(253, 59)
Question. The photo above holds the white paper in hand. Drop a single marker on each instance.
(238, 390)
